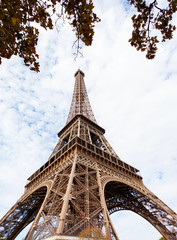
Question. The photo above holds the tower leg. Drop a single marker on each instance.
(87, 194)
(37, 218)
(107, 222)
(66, 199)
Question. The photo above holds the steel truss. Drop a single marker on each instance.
(82, 183)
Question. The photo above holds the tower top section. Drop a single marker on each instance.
(80, 102)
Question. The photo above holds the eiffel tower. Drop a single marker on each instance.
(81, 184)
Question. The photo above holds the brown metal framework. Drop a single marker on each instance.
(82, 183)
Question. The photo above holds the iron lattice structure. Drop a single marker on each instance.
(82, 183)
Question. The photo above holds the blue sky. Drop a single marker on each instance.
(134, 99)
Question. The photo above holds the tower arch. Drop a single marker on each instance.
(82, 183)
(24, 211)
(120, 195)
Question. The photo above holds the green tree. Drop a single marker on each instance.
(19, 21)
(162, 238)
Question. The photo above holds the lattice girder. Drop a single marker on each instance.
(80, 102)
(22, 213)
(87, 131)
(83, 182)
(84, 206)
(124, 197)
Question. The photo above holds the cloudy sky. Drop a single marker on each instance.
(134, 99)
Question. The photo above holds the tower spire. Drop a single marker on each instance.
(80, 102)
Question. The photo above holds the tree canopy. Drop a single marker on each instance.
(151, 17)
(20, 21)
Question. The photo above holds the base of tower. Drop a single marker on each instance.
(66, 238)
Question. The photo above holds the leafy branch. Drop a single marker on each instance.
(18, 36)
(146, 20)
(20, 21)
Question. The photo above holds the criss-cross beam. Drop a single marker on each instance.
(123, 197)
(22, 213)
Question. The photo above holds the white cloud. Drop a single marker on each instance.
(134, 99)
(134, 228)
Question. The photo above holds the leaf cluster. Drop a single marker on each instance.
(82, 18)
(19, 21)
(149, 17)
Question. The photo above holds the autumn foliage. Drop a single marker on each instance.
(20, 21)
(149, 18)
